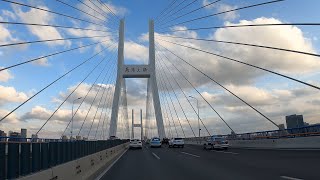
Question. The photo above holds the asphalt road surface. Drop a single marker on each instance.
(192, 162)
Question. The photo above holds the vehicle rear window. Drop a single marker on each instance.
(177, 138)
(155, 139)
(219, 139)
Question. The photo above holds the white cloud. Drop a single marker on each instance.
(228, 72)
(9, 94)
(230, 15)
(273, 99)
(9, 14)
(42, 62)
(11, 119)
(5, 75)
(61, 116)
(6, 36)
(288, 37)
(83, 90)
(101, 13)
(135, 51)
(222, 7)
(120, 11)
(42, 17)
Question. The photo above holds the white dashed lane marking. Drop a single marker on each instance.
(156, 156)
(190, 154)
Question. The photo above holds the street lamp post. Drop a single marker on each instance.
(72, 116)
(198, 114)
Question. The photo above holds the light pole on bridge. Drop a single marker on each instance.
(72, 116)
(198, 114)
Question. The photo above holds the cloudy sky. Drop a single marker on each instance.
(94, 81)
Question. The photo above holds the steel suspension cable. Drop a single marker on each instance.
(109, 9)
(107, 103)
(101, 98)
(85, 97)
(168, 13)
(81, 10)
(197, 92)
(48, 40)
(166, 113)
(209, 4)
(53, 82)
(53, 25)
(53, 12)
(165, 9)
(168, 106)
(97, 109)
(100, 9)
(108, 107)
(104, 16)
(177, 11)
(246, 44)
(247, 64)
(162, 68)
(215, 81)
(84, 120)
(223, 12)
(174, 108)
(74, 89)
(49, 55)
(244, 25)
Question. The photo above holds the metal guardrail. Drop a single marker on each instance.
(23, 158)
(313, 130)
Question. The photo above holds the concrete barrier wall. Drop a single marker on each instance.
(312, 142)
(285, 143)
(88, 167)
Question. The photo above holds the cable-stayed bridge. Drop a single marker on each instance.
(92, 142)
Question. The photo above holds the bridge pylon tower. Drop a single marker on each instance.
(136, 71)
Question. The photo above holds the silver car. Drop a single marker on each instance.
(176, 142)
(215, 142)
(135, 143)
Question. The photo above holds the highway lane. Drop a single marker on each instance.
(192, 162)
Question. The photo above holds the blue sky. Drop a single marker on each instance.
(27, 79)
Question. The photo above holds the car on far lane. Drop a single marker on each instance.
(113, 138)
(176, 142)
(155, 142)
(216, 142)
(135, 143)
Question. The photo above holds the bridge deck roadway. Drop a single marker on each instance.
(192, 162)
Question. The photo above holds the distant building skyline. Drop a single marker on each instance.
(294, 121)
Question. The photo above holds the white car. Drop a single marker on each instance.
(176, 142)
(135, 143)
(215, 142)
(155, 142)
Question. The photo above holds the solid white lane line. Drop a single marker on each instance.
(190, 154)
(156, 156)
(226, 152)
(290, 178)
(110, 166)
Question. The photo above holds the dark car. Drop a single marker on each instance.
(165, 141)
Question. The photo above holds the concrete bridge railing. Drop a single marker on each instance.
(56, 159)
(309, 142)
(88, 167)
